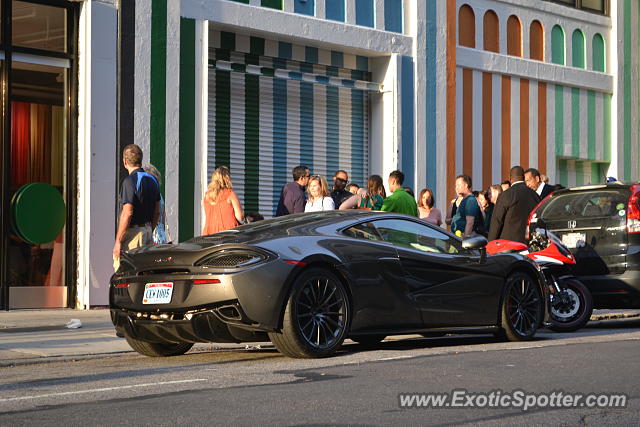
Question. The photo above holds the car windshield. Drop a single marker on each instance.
(602, 203)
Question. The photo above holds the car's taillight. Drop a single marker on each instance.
(633, 210)
(533, 214)
(121, 285)
(231, 258)
(205, 281)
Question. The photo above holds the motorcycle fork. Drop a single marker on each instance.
(554, 285)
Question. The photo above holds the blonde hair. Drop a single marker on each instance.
(322, 182)
(220, 180)
(153, 171)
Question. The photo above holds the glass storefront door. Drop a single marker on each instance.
(37, 154)
(36, 263)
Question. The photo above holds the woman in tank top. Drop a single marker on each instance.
(221, 205)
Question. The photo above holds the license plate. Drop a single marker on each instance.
(574, 240)
(157, 293)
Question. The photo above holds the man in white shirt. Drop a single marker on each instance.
(534, 181)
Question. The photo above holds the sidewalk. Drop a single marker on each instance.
(32, 335)
(36, 336)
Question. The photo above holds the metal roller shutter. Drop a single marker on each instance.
(262, 125)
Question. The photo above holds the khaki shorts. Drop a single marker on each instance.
(134, 237)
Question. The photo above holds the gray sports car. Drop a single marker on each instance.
(308, 281)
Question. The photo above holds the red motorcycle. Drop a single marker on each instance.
(570, 302)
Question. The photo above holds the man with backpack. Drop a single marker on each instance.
(467, 220)
(140, 200)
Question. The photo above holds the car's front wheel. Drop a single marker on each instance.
(154, 349)
(571, 309)
(316, 316)
(522, 308)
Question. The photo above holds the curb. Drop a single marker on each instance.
(55, 359)
(93, 356)
(611, 316)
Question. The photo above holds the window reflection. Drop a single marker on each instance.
(38, 26)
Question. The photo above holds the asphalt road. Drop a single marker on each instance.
(360, 386)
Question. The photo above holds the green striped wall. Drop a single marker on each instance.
(328, 133)
(187, 155)
(625, 166)
(158, 94)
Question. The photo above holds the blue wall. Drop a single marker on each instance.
(408, 145)
(393, 15)
(307, 7)
(365, 15)
(335, 10)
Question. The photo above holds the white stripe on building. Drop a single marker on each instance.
(533, 124)
(496, 129)
(515, 122)
(477, 158)
(142, 81)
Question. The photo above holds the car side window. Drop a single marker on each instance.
(591, 204)
(364, 231)
(410, 234)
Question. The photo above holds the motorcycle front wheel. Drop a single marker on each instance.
(571, 308)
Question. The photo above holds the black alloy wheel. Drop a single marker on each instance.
(522, 307)
(316, 316)
(571, 309)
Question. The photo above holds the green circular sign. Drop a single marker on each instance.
(39, 213)
(14, 227)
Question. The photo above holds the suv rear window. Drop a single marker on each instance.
(599, 203)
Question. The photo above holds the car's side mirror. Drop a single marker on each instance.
(476, 242)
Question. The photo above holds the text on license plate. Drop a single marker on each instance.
(574, 240)
(157, 293)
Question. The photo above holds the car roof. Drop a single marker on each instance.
(617, 185)
(327, 222)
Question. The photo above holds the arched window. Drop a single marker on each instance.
(557, 45)
(536, 39)
(514, 36)
(491, 32)
(467, 26)
(599, 61)
(577, 49)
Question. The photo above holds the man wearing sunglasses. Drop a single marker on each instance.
(339, 194)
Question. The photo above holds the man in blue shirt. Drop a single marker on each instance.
(466, 219)
(140, 201)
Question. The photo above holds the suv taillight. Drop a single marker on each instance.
(633, 210)
(533, 214)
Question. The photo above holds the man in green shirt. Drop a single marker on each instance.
(399, 201)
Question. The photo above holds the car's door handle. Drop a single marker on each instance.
(388, 258)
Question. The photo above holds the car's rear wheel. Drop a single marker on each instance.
(522, 308)
(572, 308)
(154, 349)
(316, 316)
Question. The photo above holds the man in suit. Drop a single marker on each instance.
(534, 181)
(510, 215)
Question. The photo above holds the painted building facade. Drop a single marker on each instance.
(434, 88)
